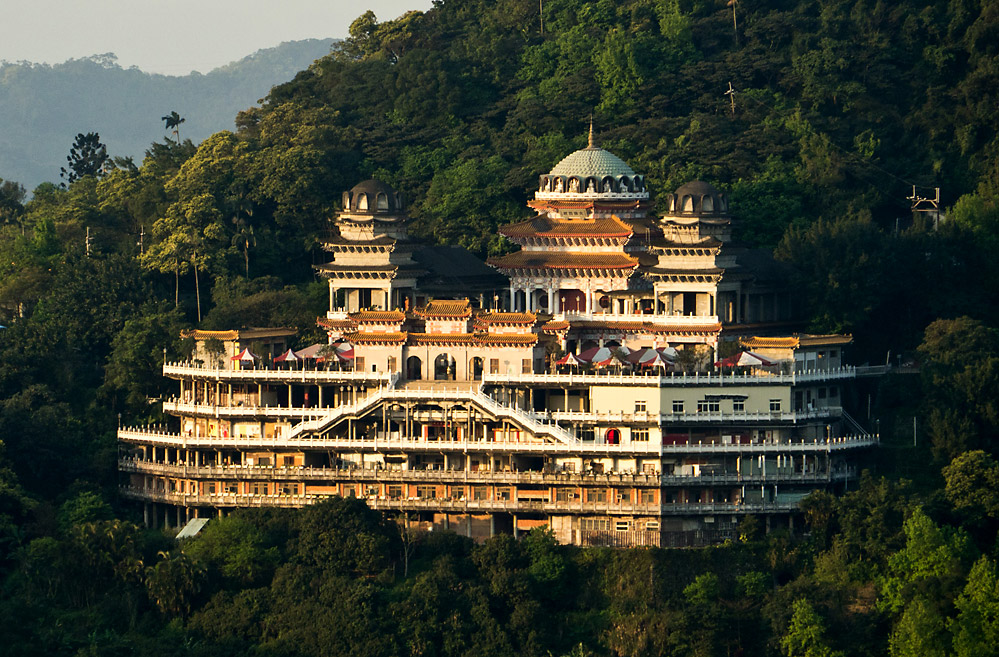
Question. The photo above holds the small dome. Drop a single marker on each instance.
(373, 197)
(592, 162)
(698, 198)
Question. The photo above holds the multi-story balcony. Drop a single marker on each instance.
(379, 442)
(472, 477)
(759, 418)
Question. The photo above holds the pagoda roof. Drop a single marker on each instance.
(340, 240)
(555, 325)
(375, 338)
(563, 260)
(342, 324)
(446, 309)
(239, 334)
(346, 268)
(379, 316)
(708, 242)
(473, 339)
(639, 326)
(506, 318)
(797, 340)
(546, 226)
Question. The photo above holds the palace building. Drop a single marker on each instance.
(577, 382)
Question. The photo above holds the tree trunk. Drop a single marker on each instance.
(176, 285)
(246, 256)
(197, 288)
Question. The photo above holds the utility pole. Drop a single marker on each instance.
(731, 95)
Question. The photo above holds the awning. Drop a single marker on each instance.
(568, 359)
(245, 356)
(744, 359)
(288, 356)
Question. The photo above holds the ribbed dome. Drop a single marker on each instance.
(373, 197)
(592, 162)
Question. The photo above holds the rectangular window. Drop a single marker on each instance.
(494, 365)
(739, 406)
(391, 364)
(259, 488)
(372, 490)
(394, 492)
(648, 496)
(708, 406)
(479, 493)
(775, 406)
(639, 435)
(640, 406)
(359, 363)
(563, 494)
(350, 491)
(526, 366)
(596, 524)
(503, 494)
(264, 460)
(289, 489)
(288, 460)
(426, 492)
(622, 525)
(596, 495)
(231, 488)
(587, 434)
(210, 488)
(648, 468)
(652, 525)
(678, 406)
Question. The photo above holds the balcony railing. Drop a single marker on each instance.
(463, 506)
(376, 443)
(232, 472)
(759, 417)
(196, 370)
(654, 379)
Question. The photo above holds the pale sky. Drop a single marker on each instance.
(174, 37)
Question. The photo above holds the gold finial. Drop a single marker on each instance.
(590, 144)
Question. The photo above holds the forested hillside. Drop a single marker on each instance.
(840, 108)
(42, 107)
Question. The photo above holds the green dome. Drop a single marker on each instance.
(592, 162)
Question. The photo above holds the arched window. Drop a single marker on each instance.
(625, 184)
(722, 203)
(346, 200)
(707, 204)
(608, 184)
(381, 201)
(362, 201)
(672, 203)
(573, 184)
(613, 436)
(688, 204)
(591, 185)
(414, 368)
(444, 368)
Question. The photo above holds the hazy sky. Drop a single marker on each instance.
(174, 37)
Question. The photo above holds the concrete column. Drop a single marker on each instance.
(513, 298)
(332, 296)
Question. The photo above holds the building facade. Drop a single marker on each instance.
(484, 415)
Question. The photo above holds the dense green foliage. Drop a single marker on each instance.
(841, 106)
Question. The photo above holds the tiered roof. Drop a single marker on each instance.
(445, 309)
(797, 340)
(563, 260)
(544, 226)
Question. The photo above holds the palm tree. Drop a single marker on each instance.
(173, 120)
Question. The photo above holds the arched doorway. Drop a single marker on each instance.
(613, 436)
(414, 368)
(475, 365)
(444, 369)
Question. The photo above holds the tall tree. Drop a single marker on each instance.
(87, 157)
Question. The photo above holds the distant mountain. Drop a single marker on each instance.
(43, 107)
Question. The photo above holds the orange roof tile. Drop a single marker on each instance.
(648, 327)
(446, 308)
(343, 324)
(239, 334)
(555, 325)
(563, 260)
(383, 316)
(796, 340)
(441, 338)
(507, 318)
(545, 226)
(473, 339)
(505, 339)
(375, 338)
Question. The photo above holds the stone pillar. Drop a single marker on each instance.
(332, 296)
(513, 298)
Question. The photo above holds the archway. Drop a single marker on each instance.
(613, 436)
(475, 365)
(444, 369)
(414, 368)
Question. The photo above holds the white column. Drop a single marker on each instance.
(332, 296)
(529, 299)
(513, 298)
(552, 299)
(589, 301)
